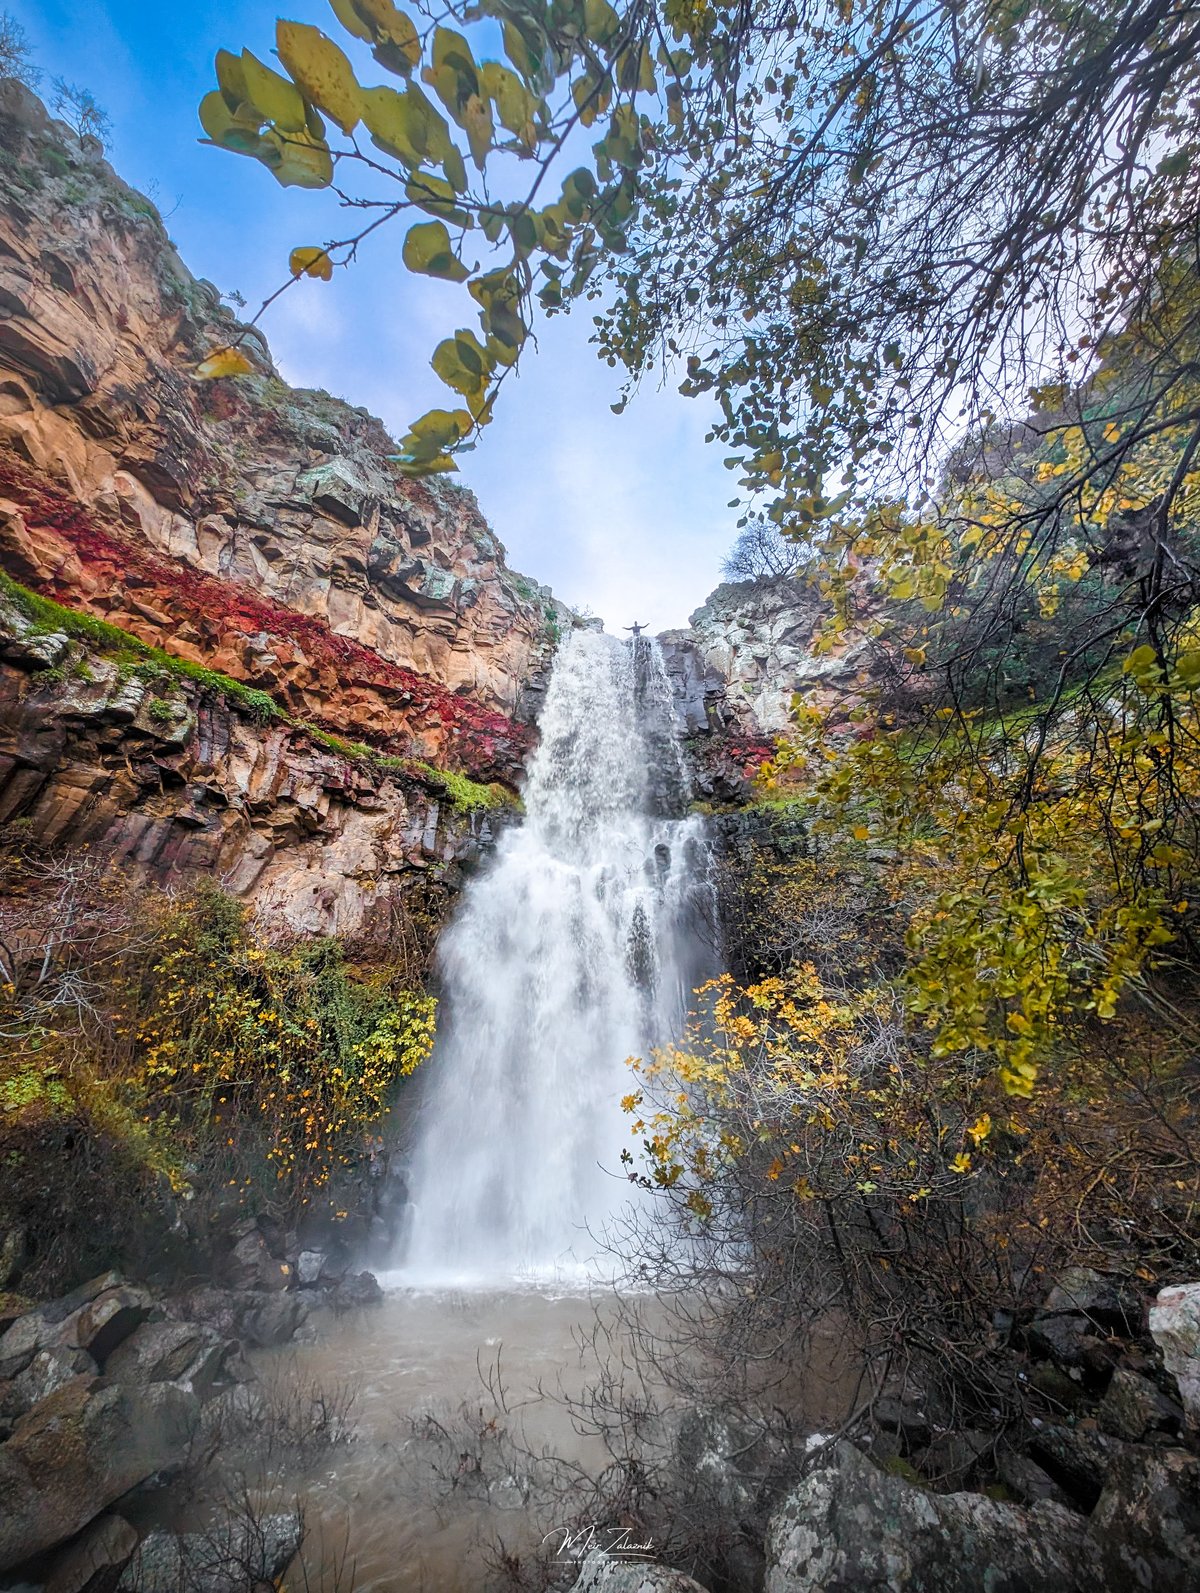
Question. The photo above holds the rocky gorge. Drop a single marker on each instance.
(237, 647)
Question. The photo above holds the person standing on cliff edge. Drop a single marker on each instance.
(636, 629)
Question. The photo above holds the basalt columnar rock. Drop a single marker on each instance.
(174, 779)
(246, 528)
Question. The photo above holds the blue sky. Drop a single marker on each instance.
(626, 514)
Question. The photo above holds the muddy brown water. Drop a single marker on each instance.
(401, 1507)
(440, 1378)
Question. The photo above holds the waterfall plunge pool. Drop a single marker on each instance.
(402, 1506)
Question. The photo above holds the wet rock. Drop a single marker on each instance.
(606, 1573)
(94, 1562)
(1175, 1328)
(67, 1305)
(1079, 1458)
(727, 1458)
(723, 1465)
(169, 1352)
(952, 1459)
(308, 1268)
(1068, 1337)
(1080, 1311)
(1028, 1482)
(756, 636)
(1105, 1298)
(1056, 1385)
(238, 1557)
(361, 1288)
(78, 1451)
(218, 1309)
(22, 1340)
(849, 1526)
(95, 1317)
(1145, 1528)
(274, 1320)
(1132, 1407)
(47, 1371)
(250, 1265)
(262, 1318)
(107, 1320)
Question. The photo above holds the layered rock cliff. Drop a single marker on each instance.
(247, 530)
(747, 655)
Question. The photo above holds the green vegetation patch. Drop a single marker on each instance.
(48, 617)
(469, 796)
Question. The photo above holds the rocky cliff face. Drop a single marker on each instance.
(242, 527)
(170, 777)
(748, 653)
(758, 635)
(242, 523)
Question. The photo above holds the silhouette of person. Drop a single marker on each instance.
(636, 629)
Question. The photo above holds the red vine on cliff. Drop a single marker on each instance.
(481, 740)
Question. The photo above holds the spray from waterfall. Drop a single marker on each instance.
(578, 948)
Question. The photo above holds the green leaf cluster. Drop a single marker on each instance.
(583, 64)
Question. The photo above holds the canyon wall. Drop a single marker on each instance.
(747, 654)
(247, 530)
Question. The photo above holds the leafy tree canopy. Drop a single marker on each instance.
(865, 226)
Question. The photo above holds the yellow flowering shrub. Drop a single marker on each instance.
(173, 1031)
(285, 1043)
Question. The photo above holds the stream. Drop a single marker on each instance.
(380, 1509)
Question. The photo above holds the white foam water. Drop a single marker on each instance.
(575, 950)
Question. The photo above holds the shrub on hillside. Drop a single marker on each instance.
(169, 1050)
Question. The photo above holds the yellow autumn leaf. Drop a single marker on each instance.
(861, 832)
(980, 1129)
(321, 70)
(224, 362)
(961, 1163)
(310, 261)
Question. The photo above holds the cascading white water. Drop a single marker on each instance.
(577, 949)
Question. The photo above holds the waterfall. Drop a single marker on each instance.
(578, 948)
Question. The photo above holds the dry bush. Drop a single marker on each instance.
(285, 1422)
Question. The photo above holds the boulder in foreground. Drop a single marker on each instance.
(79, 1450)
(849, 1526)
